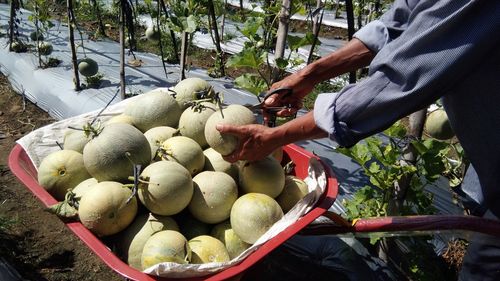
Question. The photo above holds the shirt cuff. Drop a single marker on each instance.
(374, 35)
(324, 111)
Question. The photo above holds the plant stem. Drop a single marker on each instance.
(71, 21)
(122, 49)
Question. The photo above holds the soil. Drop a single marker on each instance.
(36, 243)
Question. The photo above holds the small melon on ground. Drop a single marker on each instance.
(36, 36)
(184, 151)
(166, 188)
(152, 109)
(295, 189)
(206, 249)
(191, 89)
(234, 114)
(253, 214)
(134, 237)
(234, 245)
(45, 48)
(215, 162)
(165, 246)
(263, 176)
(60, 171)
(107, 208)
(214, 195)
(156, 136)
(438, 126)
(88, 67)
(193, 120)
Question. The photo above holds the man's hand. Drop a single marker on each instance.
(254, 142)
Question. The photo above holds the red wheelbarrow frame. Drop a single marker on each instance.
(22, 167)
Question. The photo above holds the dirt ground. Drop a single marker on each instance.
(36, 243)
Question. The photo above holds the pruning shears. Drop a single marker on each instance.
(271, 110)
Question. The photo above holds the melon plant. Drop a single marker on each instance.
(215, 162)
(83, 187)
(121, 118)
(153, 33)
(60, 171)
(214, 195)
(165, 246)
(234, 114)
(152, 109)
(134, 237)
(253, 214)
(112, 154)
(156, 136)
(438, 126)
(75, 140)
(206, 249)
(165, 188)
(193, 119)
(107, 208)
(88, 67)
(234, 245)
(263, 176)
(294, 190)
(36, 36)
(184, 151)
(191, 89)
(45, 48)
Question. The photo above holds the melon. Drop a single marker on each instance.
(166, 188)
(152, 109)
(121, 118)
(153, 33)
(234, 245)
(191, 89)
(45, 48)
(156, 136)
(134, 237)
(75, 140)
(191, 227)
(83, 187)
(60, 171)
(107, 208)
(294, 190)
(234, 114)
(215, 162)
(36, 36)
(111, 155)
(88, 67)
(165, 246)
(438, 126)
(206, 249)
(193, 119)
(253, 214)
(263, 176)
(214, 195)
(278, 154)
(184, 151)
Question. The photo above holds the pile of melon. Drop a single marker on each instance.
(154, 179)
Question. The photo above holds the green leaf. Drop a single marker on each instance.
(397, 130)
(249, 57)
(295, 42)
(281, 63)
(251, 82)
(191, 24)
(251, 26)
(374, 168)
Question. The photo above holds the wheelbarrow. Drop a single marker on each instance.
(23, 169)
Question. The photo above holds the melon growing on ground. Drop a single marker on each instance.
(205, 249)
(215, 162)
(263, 176)
(34, 36)
(156, 136)
(295, 189)
(191, 89)
(111, 155)
(60, 171)
(234, 114)
(214, 195)
(88, 67)
(166, 188)
(438, 126)
(234, 245)
(153, 109)
(165, 246)
(253, 214)
(75, 140)
(153, 33)
(193, 120)
(134, 237)
(107, 208)
(184, 151)
(45, 48)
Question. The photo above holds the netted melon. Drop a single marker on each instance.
(234, 245)
(190, 226)
(83, 187)
(263, 176)
(184, 151)
(191, 89)
(215, 162)
(295, 189)
(121, 118)
(75, 140)
(165, 246)
(206, 249)
(193, 120)
(156, 136)
(438, 126)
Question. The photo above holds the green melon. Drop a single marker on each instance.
(214, 195)
(438, 126)
(75, 140)
(234, 245)
(215, 162)
(121, 118)
(295, 189)
(83, 187)
(184, 151)
(107, 208)
(165, 246)
(206, 249)
(263, 176)
(88, 67)
(253, 214)
(191, 227)
(34, 37)
(191, 89)
(193, 120)
(156, 136)
(45, 48)
(234, 114)
(60, 171)
(152, 109)
(166, 188)
(112, 154)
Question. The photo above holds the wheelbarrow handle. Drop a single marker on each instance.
(406, 223)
